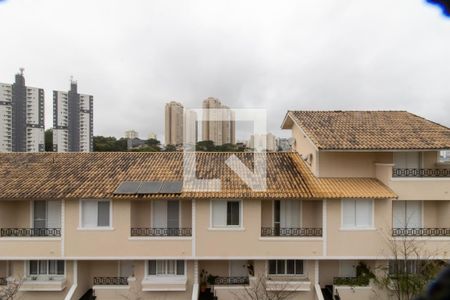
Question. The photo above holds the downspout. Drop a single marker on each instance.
(75, 282)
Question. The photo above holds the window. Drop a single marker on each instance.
(166, 268)
(407, 160)
(286, 213)
(95, 213)
(285, 267)
(47, 214)
(405, 267)
(166, 214)
(407, 214)
(46, 267)
(357, 213)
(226, 213)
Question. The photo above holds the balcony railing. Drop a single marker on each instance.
(408, 172)
(161, 231)
(231, 280)
(110, 280)
(291, 232)
(30, 232)
(3, 281)
(417, 232)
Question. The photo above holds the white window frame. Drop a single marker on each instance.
(355, 227)
(44, 276)
(148, 276)
(80, 225)
(180, 219)
(32, 203)
(285, 268)
(227, 227)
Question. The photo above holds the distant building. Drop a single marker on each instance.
(135, 143)
(73, 124)
(131, 134)
(173, 132)
(21, 117)
(180, 125)
(283, 144)
(152, 135)
(263, 142)
(222, 131)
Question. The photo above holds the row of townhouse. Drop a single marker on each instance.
(124, 226)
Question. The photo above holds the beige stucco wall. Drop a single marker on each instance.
(358, 242)
(304, 147)
(213, 243)
(15, 214)
(351, 164)
(116, 241)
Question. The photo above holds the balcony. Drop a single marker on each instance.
(110, 281)
(421, 232)
(161, 232)
(231, 280)
(290, 232)
(30, 232)
(408, 172)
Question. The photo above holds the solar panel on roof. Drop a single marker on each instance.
(171, 187)
(149, 187)
(128, 187)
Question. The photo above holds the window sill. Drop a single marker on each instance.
(95, 228)
(226, 229)
(357, 229)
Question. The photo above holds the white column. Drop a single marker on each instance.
(324, 227)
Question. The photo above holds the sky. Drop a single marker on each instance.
(134, 56)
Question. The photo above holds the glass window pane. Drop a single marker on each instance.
(272, 267)
(160, 267)
(171, 264)
(43, 266)
(173, 214)
(60, 267)
(40, 214)
(103, 213)
(89, 213)
(276, 211)
(299, 267)
(281, 267)
(180, 267)
(363, 213)
(152, 267)
(33, 267)
(348, 213)
(219, 213)
(233, 213)
(290, 267)
(52, 269)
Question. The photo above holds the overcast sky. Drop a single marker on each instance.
(134, 56)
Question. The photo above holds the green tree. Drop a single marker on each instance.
(49, 140)
(205, 146)
(170, 148)
(109, 144)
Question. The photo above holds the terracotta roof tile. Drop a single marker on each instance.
(371, 130)
(97, 175)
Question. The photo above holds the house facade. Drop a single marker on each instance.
(129, 225)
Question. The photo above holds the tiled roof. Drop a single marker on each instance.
(370, 130)
(98, 174)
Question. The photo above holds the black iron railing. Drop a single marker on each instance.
(3, 281)
(293, 232)
(416, 172)
(231, 280)
(161, 231)
(110, 280)
(417, 232)
(30, 232)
